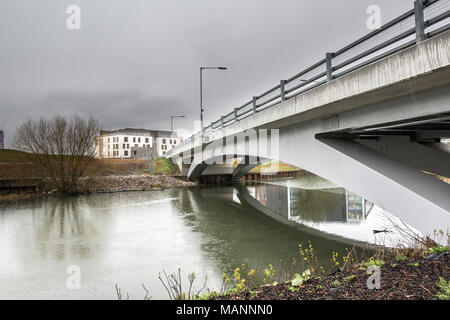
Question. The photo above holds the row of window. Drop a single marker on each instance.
(125, 139)
(126, 146)
(170, 142)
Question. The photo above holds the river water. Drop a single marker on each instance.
(129, 238)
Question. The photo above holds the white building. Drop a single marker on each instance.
(134, 143)
(165, 142)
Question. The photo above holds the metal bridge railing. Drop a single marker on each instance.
(428, 19)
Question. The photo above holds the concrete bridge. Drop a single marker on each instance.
(370, 117)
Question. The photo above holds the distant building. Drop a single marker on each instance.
(165, 141)
(130, 143)
(2, 140)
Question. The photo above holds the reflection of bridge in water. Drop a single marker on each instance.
(333, 213)
(338, 204)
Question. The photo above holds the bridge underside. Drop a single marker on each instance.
(383, 159)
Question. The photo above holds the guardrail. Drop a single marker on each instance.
(428, 19)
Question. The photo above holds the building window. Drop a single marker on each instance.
(134, 139)
(146, 140)
(128, 146)
(125, 153)
(125, 139)
(174, 142)
(124, 146)
(139, 140)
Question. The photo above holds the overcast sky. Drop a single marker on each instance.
(136, 62)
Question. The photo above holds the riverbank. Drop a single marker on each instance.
(420, 276)
(107, 184)
(133, 183)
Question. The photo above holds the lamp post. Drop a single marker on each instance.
(201, 92)
(171, 121)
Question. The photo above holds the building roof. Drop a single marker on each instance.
(132, 131)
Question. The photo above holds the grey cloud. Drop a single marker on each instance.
(134, 63)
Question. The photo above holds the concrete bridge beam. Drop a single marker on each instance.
(417, 155)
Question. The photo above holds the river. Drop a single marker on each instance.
(129, 238)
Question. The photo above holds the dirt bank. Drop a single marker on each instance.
(409, 279)
(107, 184)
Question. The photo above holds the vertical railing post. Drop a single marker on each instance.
(329, 64)
(420, 24)
(254, 104)
(283, 89)
(235, 115)
(221, 121)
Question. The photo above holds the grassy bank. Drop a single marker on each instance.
(10, 155)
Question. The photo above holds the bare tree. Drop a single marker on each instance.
(62, 149)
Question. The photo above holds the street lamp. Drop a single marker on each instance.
(201, 92)
(171, 121)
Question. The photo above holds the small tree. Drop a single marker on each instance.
(62, 149)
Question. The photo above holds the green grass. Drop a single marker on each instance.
(10, 155)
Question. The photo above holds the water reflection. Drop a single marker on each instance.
(338, 205)
(313, 202)
(65, 227)
(128, 238)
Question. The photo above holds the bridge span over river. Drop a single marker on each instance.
(371, 117)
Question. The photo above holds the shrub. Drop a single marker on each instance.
(164, 166)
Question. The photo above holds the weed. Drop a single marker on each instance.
(299, 279)
(293, 289)
(401, 257)
(438, 249)
(374, 262)
(349, 278)
(444, 287)
(336, 283)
